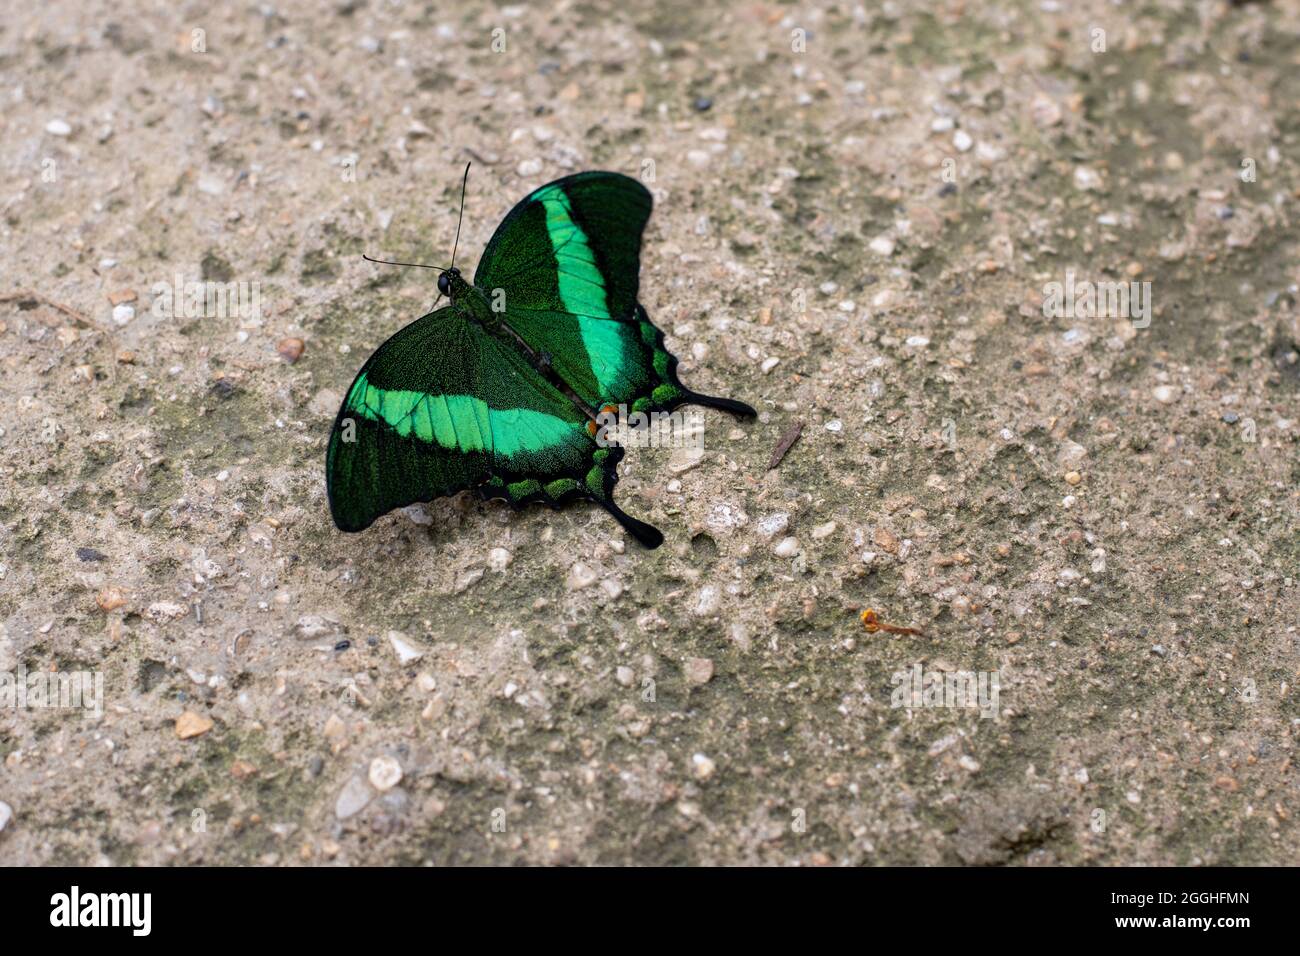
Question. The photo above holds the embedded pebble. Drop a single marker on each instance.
(406, 651)
(580, 576)
(58, 127)
(499, 559)
(882, 246)
(786, 548)
(708, 601)
(625, 675)
(961, 141)
(822, 531)
(703, 767)
(699, 670)
(190, 724)
(385, 773)
(773, 524)
(354, 798)
(309, 627)
(1165, 394)
(290, 349)
(123, 314)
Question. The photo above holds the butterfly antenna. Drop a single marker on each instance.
(387, 262)
(463, 183)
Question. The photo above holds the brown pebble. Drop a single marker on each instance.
(190, 724)
(242, 770)
(886, 540)
(122, 296)
(1073, 477)
(699, 670)
(290, 349)
(110, 599)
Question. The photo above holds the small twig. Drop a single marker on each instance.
(873, 624)
(29, 295)
(783, 446)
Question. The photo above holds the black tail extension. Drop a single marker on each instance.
(648, 535)
(739, 409)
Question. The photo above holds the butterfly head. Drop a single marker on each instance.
(448, 281)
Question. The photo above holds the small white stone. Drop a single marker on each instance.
(385, 773)
(1086, 179)
(580, 576)
(703, 767)
(824, 530)
(499, 559)
(773, 524)
(882, 246)
(707, 601)
(625, 676)
(786, 548)
(834, 425)
(58, 127)
(211, 184)
(529, 167)
(961, 141)
(123, 314)
(1165, 394)
(406, 651)
(917, 341)
(769, 364)
(352, 799)
(942, 124)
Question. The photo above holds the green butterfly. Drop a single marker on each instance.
(499, 391)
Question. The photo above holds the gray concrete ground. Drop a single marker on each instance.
(861, 211)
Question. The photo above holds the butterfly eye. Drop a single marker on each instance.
(444, 284)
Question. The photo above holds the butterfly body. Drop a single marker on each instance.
(497, 392)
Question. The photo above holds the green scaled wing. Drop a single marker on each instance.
(565, 264)
(442, 407)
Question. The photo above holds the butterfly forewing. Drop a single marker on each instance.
(566, 262)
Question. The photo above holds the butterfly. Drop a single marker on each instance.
(500, 390)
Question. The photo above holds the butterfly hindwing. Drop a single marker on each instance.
(442, 407)
(566, 262)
